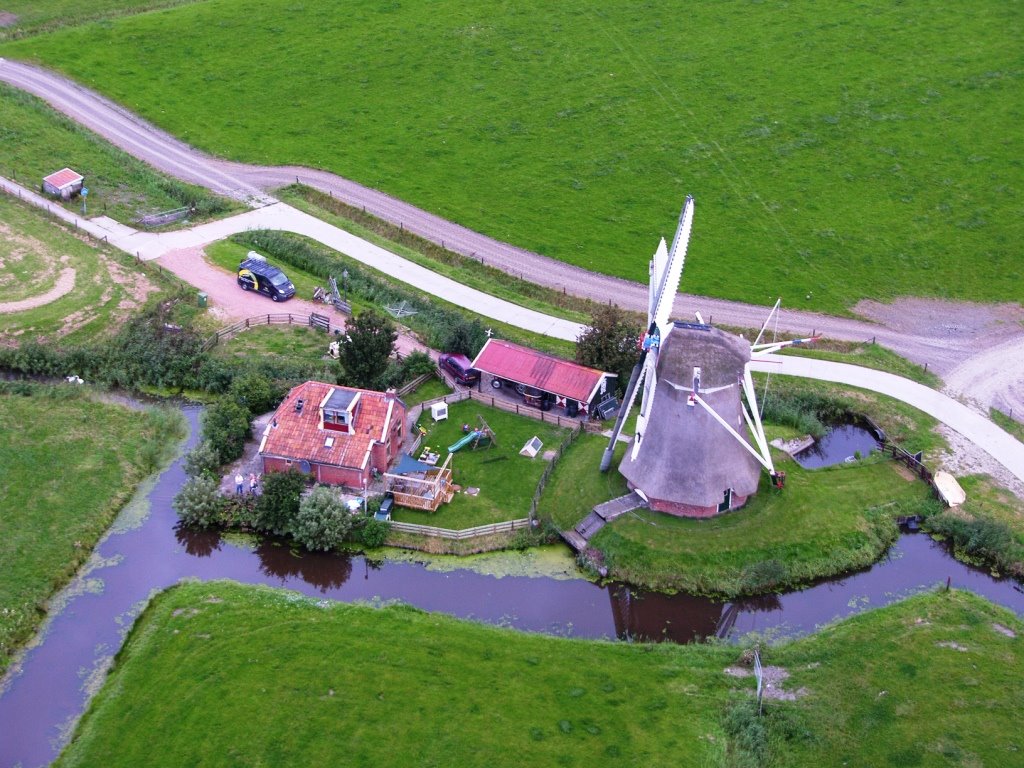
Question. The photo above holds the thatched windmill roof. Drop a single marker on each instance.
(687, 460)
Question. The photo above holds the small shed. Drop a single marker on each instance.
(542, 379)
(439, 411)
(64, 184)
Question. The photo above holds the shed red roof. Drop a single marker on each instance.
(63, 178)
(301, 435)
(537, 369)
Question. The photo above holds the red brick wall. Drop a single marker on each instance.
(690, 510)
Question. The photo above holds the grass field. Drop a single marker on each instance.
(34, 252)
(221, 674)
(576, 130)
(506, 480)
(34, 16)
(38, 141)
(67, 464)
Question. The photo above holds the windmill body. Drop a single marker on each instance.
(687, 463)
(699, 445)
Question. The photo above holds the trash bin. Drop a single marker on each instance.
(202, 299)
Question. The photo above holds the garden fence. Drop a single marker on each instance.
(466, 533)
(281, 318)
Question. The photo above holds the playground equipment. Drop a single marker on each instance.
(482, 435)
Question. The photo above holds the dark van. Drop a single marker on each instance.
(255, 274)
(460, 368)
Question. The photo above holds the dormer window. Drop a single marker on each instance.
(339, 410)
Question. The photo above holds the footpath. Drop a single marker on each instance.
(973, 426)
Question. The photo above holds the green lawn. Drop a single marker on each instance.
(34, 251)
(931, 681)
(826, 522)
(577, 486)
(834, 151)
(506, 480)
(430, 389)
(222, 674)
(38, 141)
(67, 464)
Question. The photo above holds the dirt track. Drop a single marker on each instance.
(952, 338)
(230, 303)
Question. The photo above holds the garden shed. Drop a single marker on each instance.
(544, 380)
(64, 184)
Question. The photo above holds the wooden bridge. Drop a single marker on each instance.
(599, 517)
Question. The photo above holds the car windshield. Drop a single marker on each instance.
(279, 279)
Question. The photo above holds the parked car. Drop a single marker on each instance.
(460, 368)
(256, 274)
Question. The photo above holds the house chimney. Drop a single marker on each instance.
(390, 394)
(298, 405)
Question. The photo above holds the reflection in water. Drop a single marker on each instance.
(325, 571)
(197, 543)
(840, 444)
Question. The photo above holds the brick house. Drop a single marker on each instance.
(338, 435)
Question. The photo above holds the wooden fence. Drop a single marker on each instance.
(281, 318)
(569, 440)
(466, 533)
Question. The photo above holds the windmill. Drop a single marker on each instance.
(699, 445)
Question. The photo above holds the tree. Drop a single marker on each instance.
(611, 343)
(323, 522)
(255, 392)
(278, 505)
(226, 427)
(370, 340)
(462, 337)
(198, 503)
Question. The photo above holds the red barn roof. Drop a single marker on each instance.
(63, 178)
(300, 435)
(537, 369)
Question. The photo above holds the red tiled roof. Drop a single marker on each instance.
(536, 369)
(299, 436)
(63, 177)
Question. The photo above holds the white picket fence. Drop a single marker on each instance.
(466, 533)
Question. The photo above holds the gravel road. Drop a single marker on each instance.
(230, 303)
(968, 339)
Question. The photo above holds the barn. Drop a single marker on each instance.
(543, 380)
(64, 184)
(338, 435)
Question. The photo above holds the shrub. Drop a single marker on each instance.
(199, 503)
(226, 427)
(375, 533)
(255, 392)
(763, 577)
(323, 522)
(202, 459)
(974, 538)
(278, 505)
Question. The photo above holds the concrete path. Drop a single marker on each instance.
(977, 428)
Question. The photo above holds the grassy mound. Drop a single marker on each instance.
(221, 674)
(834, 151)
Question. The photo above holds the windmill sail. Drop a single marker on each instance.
(665, 270)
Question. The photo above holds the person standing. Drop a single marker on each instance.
(252, 483)
(238, 483)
